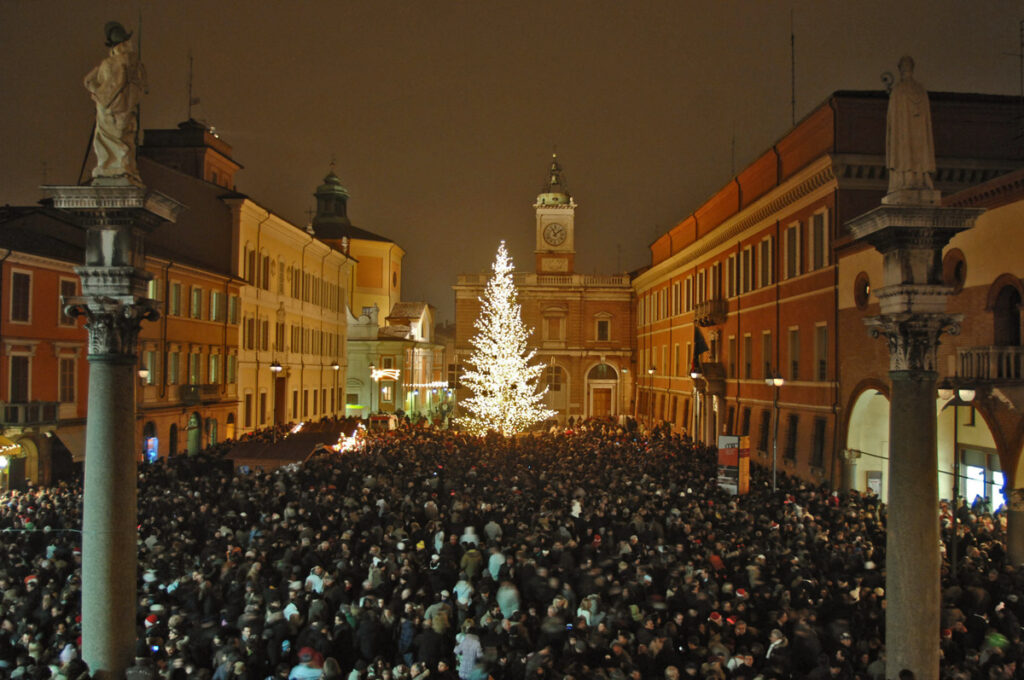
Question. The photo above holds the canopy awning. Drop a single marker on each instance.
(73, 438)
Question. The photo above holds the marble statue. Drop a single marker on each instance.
(116, 86)
(909, 147)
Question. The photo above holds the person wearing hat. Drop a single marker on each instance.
(116, 86)
(308, 667)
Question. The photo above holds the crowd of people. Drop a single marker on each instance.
(598, 552)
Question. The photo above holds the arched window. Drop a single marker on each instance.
(602, 372)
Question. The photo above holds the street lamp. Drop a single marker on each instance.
(335, 366)
(695, 375)
(275, 369)
(775, 380)
(962, 396)
(650, 398)
(373, 380)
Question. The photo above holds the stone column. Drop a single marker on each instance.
(1015, 526)
(912, 303)
(116, 218)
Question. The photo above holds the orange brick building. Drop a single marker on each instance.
(582, 323)
(755, 268)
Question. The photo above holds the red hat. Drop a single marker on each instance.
(716, 617)
(740, 592)
(151, 620)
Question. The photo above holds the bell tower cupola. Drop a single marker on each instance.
(555, 210)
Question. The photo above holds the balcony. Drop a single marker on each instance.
(30, 413)
(191, 395)
(711, 312)
(991, 364)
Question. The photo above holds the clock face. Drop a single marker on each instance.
(554, 234)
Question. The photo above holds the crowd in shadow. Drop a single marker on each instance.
(596, 553)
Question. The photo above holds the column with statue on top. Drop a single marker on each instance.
(910, 228)
(116, 211)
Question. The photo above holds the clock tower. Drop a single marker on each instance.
(556, 245)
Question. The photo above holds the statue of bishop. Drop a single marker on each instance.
(909, 146)
(116, 85)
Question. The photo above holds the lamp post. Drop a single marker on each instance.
(962, 396)
(775, 380)
(275, 370)
(335, 366)
(650, 397)
(373, 380)
(695, 375)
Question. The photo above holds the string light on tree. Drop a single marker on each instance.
(503, 381)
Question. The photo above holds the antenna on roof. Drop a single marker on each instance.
(192, 101)
(792, 70)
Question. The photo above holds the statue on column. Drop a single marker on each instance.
(909, 147)
(116, 86)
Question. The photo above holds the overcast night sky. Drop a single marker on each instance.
(442, 115)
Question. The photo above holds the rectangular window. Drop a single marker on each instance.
(748, 356)
(766, 353)
(248, 410)
(279, 336)
(818, 445)
(745, 424)
(677, 298)
(662, 303)
(556, 328)
(233, 307)
(68, 289)
(232, 366)
(746, 270)
(604, 330)
(66, 379)
(216, 305)
(702, 279)
(315, 392)
(214, 374)
(791, 436)
(715, 281)
(265, 335)
(821, 352)
(730, 276)
(21, 296)
(153, 289)
(765, 263)
(197, 303)
(733, 357)
(173, 367)
(195, 368)
(174, 304)
(150, 361)
(819, 240)
(305, 403)
(677, 370)
(793, 250)
(263, 408)
(250, 333)
(794, 353)
(688, 294)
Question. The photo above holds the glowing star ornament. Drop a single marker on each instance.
(503, 381)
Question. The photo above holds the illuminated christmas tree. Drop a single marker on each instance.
(504, 383)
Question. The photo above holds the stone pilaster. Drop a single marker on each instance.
(114, 303)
